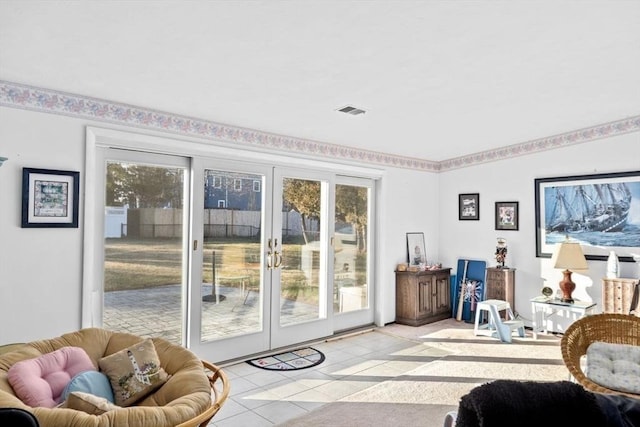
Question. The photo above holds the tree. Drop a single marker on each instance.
(143, 186)
(303, 197)
(116, 183)
(352, 206)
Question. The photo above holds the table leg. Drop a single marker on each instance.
(534, 320)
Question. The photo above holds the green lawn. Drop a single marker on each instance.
(136, 264)
(144, 263)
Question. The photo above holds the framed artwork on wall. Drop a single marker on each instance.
(50, 198)
(469, 207)
(598, 211)
(416, 253)
(507, 216)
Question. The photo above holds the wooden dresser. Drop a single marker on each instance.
(617, 294)
(422, 296)
(501, 285)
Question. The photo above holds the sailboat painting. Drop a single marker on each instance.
(602, 212)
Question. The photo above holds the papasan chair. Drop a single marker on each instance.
(189, 394)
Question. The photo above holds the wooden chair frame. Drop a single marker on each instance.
(220, 388)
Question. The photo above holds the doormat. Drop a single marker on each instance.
(301, 358)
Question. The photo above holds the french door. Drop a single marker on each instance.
(263, 234)
(228, 258)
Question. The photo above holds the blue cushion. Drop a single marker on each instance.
(93, 382)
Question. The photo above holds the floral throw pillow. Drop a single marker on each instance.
(133, 372)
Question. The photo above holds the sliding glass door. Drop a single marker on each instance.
(231, 219)
(144, 244)
(229, 258)
(352, 249)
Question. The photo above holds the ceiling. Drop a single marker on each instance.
(438, 79)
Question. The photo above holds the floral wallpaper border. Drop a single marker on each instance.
(22, 96)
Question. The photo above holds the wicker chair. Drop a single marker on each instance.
(192, 397)
(219, 393)
(606, 327)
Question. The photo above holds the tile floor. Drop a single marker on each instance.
(266, 398)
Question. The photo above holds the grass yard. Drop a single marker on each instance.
(137, 264)
(144, 263)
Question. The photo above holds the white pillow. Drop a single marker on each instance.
(615, 366)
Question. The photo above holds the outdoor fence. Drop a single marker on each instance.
(218, 223)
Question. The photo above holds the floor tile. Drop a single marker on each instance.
(278, 412)
(255, 398)
(244, 419)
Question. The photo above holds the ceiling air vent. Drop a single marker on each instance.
(351, 110)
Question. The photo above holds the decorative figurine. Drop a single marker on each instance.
(501, 252)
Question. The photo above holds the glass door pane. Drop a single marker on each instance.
(351, 255)
(301, 278)
(144, 246)
(299, 252)
(232, 255)
(230, 291)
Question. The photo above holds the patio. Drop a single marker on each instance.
(157, 312)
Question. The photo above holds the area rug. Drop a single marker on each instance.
(446, 363)
(295, 359)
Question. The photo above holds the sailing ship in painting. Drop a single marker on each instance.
(589, 208)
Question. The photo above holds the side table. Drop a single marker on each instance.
(543, 308)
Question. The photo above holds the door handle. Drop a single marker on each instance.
(269, 260)
(277, 255)
(269, 255)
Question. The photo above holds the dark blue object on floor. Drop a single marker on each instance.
(474, 287)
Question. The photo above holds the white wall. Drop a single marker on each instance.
(513, 180)
(408, 202)
(41, 269)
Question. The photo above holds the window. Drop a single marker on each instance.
(256, 186)
(222, 204)
(237, 184)
(217, 182)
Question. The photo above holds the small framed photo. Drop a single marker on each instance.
(416, 253)
(50, 198)
(507, 217)
(469, 207)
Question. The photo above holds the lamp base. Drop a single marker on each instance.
(567, 287)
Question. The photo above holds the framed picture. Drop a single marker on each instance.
(469, 206)
(416, 253)
(598, 211)
(507, 217)
(50, 198)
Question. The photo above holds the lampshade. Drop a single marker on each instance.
(569, 255)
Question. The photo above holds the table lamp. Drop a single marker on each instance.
(569, 256)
